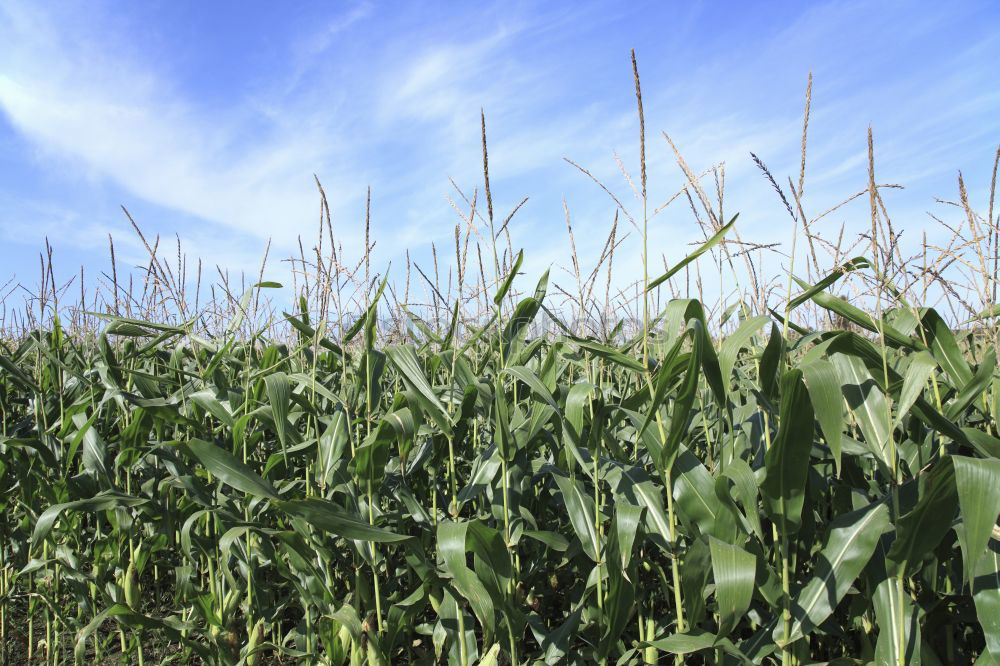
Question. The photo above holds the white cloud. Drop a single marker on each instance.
(92, 102)
(129, 124)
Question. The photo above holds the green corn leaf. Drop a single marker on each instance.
(329, 517)
(734, 570)
(975, 388)
(279, 393)
(451, 548)
(371, 316)
(232, 472)
(244, 303)
(556, 643)
(101, 502)
(628, 517)
(524, 313)
(368, 319)
(702, 249)
(917, 373)
(985, 585)
(609, 354)
(553, 540)
(621, 593)
(986, 444)
(920, 530)
(770, 362)
(867, 403)
(493, 562)
(492, 656)
(576, 402)
(372, 455)
(898, 620)
(331, 446)
(534, 383)
(662, 381)
(211, 404)
(485, 469)
(693, 641)
(580, 507)
(94, 451)
(694, 491)
(15, 373)
(310, 334)
(734, 343)
(450, 335)
(638, 486)
(848, 548)
(828, 281)
(424, 327)
(404, 359)
(978, 485)
(824, 387)
(695, 571)
(697, 640)
(944, 347)
(129, 618)
(746, 491)
(787, 461)
(680, 415)
(858, 316)
(509, 280)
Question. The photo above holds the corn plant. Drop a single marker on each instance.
(814, 481)
(776, 494)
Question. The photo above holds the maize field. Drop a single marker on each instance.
(785, 479)
(776, 494)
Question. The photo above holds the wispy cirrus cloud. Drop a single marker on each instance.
(216, 135)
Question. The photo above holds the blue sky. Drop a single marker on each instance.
(208, 120)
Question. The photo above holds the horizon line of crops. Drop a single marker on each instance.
(783, 493)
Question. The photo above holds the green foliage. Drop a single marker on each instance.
(472, 496)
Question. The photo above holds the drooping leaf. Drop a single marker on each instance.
(978, 485)
(920, 530)
(580, 507)
(787, 461)
(986, 594)
(231, 471)
(404, 358)
(329, 517)
(828, 281)
(867, 403)
(734, 343)
(898, 619)
(825, 395)
(917, 373)
(451, 548)
(734, 570)
(100, 502)
(279, 394)
(849, 545)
